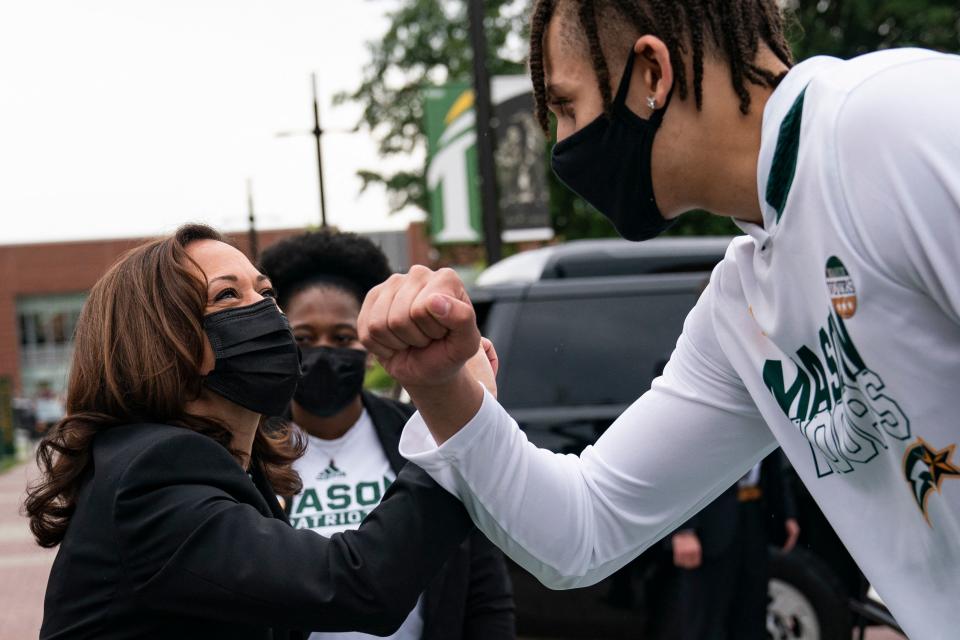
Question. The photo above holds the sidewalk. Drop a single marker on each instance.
(24, 566)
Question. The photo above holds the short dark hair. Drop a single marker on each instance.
(333, 258)
(735, 28)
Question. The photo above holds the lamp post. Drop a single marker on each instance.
(254, 248)
(485, 138)
(317, 132)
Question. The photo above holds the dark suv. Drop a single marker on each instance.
(582, 329)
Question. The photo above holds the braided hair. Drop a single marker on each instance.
(734, 29)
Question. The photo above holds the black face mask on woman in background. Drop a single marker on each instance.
(332, 378)
(608, 164)
(257, 360)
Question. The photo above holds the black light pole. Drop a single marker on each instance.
(317, 133)
(485, 138)
(254, 249)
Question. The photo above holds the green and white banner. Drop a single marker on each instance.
(452, 170)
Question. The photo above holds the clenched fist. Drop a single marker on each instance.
(422, 328)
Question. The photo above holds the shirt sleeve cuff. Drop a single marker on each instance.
(418, 446)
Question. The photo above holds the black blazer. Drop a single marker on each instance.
(716, 524)
(172, 539)
(471, 598)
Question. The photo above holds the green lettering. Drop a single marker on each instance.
(854, 445)
(308, 500)
(821, 390)
(799, 391)
(835, 387)
(892, 419)
(338, 496)
(368, 493)
(861, 416)
(824, 446)
(843, 346)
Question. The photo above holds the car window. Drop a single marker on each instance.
(591, 351)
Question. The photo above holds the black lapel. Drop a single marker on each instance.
(388, 422)
(388, 418)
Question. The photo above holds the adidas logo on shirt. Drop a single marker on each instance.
(331, 472)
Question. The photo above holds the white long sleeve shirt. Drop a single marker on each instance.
(833, 331)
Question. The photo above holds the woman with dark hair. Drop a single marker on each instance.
(159, 483)
(353, 436)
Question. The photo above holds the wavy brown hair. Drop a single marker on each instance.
(138, 350)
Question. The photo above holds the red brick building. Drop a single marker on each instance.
(43, 286)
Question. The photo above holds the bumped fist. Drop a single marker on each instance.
(422, 328)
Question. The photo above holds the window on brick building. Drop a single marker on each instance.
(46, 324)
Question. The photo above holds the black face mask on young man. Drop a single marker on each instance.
(257, 360)
(332, 378)
(608, 164)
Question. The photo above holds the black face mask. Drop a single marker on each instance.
(332, 378)
(607, 163)
(258, 362)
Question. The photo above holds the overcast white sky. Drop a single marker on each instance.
(129, 117)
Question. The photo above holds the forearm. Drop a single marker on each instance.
(516, 499)
(572, 521)
(402, 544)
(446, 407)
(266, 572)
(493, 621)
(490, 611)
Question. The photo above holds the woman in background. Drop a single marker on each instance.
(159, 485)
(353, 436)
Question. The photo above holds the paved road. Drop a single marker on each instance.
(24, 566)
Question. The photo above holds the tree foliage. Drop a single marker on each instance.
(427, 44)
(847, 28)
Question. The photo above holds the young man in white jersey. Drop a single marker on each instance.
(832, 329)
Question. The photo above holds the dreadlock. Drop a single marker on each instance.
(735, 29)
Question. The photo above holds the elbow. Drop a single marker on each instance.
(561, 582)
(386, 621)
(378, 622)
(383, 628)
(384, 614)
(559, 578)
(581, 569)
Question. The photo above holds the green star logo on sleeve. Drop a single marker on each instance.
(926, 468)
